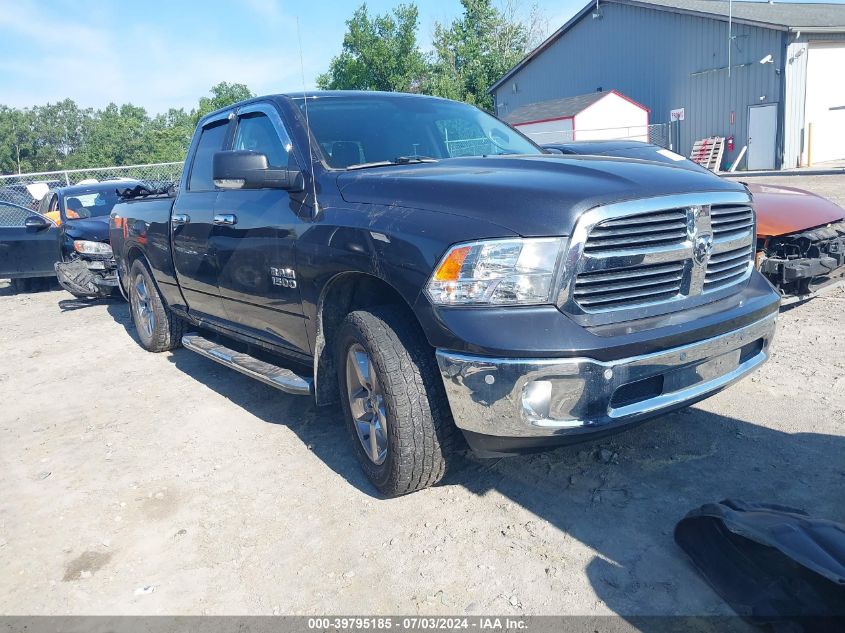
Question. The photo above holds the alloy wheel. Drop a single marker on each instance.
(143, 305)
(366, 402)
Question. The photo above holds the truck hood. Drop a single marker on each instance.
(784, 210)
(529, 195)
(92, 229)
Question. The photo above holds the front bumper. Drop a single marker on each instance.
(87, 277)
(805, 275)
(542, 401)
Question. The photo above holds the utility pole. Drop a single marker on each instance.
(730, 33)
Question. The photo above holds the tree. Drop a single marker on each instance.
(480, 46)
(379, 53)
(222, 95)
(65, 136)
(61, 127)
(117, 135)
(170, 134)
(16, 140)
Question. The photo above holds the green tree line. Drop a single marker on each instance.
(65, 136)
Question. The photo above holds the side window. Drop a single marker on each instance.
(211, 142)
(257, 133)
(12, 217)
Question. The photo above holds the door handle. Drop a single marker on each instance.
(178, 219)
(225, 219)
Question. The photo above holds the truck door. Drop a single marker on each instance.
(255, 234)
(191, 226)
(27, 251)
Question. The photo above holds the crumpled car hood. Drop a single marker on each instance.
(92, 229)
(785, 210)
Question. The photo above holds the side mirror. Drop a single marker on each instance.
(244, 169)
(552, 150)
(36, 222)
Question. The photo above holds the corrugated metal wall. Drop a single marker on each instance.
(664, 60)
(796, 92)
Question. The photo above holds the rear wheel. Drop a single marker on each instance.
(159, 330)
(396, 410)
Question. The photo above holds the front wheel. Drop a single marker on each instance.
(394, 401)
(159, 330)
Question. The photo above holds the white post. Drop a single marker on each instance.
(738, 158)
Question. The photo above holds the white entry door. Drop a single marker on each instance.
(762, 136)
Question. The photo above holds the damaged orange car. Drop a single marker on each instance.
(800, 239)
(800, 236)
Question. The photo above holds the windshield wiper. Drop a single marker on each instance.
(399, 160)
(405, 160)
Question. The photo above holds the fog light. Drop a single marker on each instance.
(536, 399)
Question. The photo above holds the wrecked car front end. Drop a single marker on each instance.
(88, 269)
(803, 263)
(800, 239)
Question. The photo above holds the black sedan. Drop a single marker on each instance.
(29, 246)
(67, 237)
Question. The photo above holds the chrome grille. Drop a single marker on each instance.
(633, 259)
(629, 286)
(724, 268)
(729, 263)
(649, 230)
(731, 219)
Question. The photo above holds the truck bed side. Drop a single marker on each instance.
(141, 228)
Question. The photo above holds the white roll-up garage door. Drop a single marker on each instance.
(825, 102)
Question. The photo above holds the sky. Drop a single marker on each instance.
(161, 54)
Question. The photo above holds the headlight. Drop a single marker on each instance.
(92, 248)
(497, 272)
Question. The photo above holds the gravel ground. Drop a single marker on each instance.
(136, 483)
(123, 470)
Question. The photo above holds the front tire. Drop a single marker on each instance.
(394, 402)
(159, 330)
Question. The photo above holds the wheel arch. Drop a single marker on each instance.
(124, 264)
(342, 294)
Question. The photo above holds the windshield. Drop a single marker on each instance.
(90, 204)
(354, 130)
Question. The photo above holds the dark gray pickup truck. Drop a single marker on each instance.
(438, 274)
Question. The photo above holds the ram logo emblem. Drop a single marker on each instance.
(702, 248)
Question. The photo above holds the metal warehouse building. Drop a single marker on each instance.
(778, 87)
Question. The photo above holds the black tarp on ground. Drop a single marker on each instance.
(772, 564)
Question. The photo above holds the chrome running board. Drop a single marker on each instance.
(278, 377)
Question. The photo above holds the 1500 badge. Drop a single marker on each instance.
(285, 277)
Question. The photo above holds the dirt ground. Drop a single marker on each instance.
(136, 483)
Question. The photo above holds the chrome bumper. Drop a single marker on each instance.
(559, 396)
